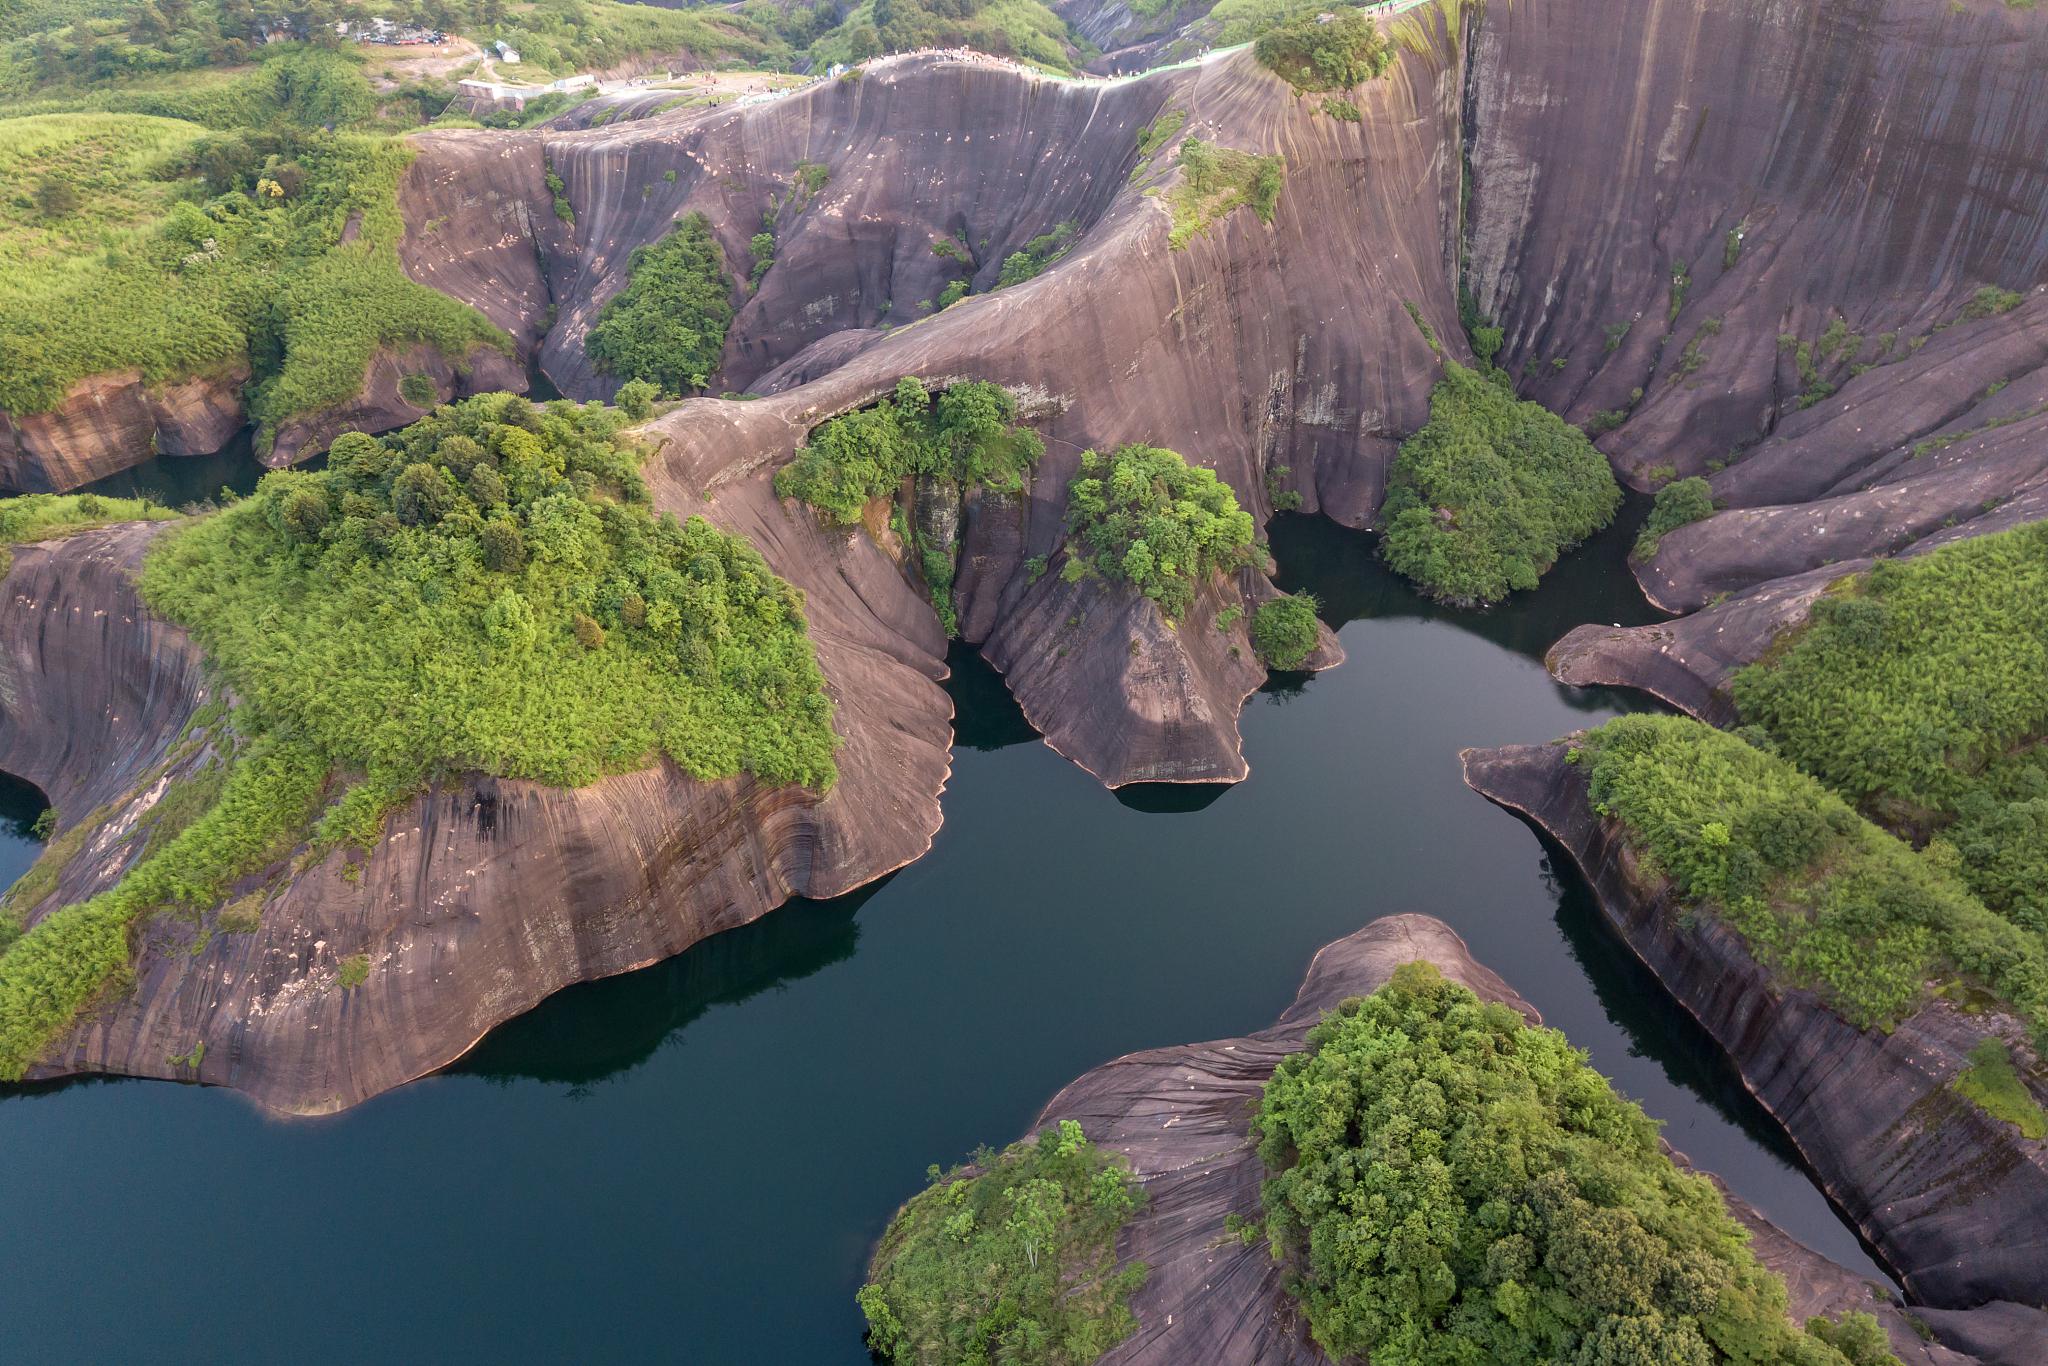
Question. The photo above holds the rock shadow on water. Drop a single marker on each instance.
(593, 1031)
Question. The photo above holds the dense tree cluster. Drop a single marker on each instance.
(668, 324)
(1450, 1185)
(1821, 896)
(1484, 498)
(1009, 1259)
(1679, 503)
(1919, 690)
(1285, 631)
(1325, 50)
(967, 433)
(1145, 517)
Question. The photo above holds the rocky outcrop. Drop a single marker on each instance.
(110, 422)
(1954, 1201)
(484, 895)
(1182, 1115)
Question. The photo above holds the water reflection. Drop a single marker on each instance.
(600, 1029)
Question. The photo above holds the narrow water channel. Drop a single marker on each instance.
(692, 1161)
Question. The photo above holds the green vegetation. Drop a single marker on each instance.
(1485, 497)
(1159, 132)
(1919, 690)
(1024, 29)
(190, 254)
(1145, 517)
(1009, 1259)
(1344, 110)
(668, 324)
(1038, 253)
(485, 590)
(1677, 504)
(1314, 53)
(1823, 898)
(355, 970)
(1214, 181)
(46, 516)
(1451, 1185)
(969, 435)
(1284, 631)
(1993, 1085)
(78, 952)
(762, 249)
(1989, 302)
(564, 36)
(479, 541)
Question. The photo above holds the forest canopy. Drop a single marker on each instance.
(1482, 500)
(1823, 898)
(1450, 1185)
(270, 246)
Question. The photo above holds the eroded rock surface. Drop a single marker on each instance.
(1954, 1201)
(1181, 1115)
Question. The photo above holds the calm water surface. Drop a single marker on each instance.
(692, 1161)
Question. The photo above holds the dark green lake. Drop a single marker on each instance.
(692, 1161)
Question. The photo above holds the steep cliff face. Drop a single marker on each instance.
(1181, 1115)
(483, 896)
(109, 422)
(1954, 1201)
(1758, 235)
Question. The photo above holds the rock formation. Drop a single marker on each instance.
(1954, 1201)
(1181, 1115)
(484, 896)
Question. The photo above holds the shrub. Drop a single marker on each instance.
(1285, 631)
(1450, 1184)
(636, 398)
(1216, 180)
(668, 324)
(1145, 517)
(1484, 498)
(195, 253)
(419, 391)
(1677, 504)
(1315, 53)
(1011, 1258)
(969, 434)
(1038, 253)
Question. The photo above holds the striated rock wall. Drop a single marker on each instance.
(110, 422)
(1953, 1200)
(1182, 1115)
